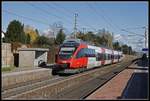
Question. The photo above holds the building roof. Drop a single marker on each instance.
(33, 49)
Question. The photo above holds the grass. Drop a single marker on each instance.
(7, 69)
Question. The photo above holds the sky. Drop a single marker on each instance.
(113, 16)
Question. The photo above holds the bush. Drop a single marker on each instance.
(5, 69)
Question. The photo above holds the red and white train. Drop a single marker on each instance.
(74, 55)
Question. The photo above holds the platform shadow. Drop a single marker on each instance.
(137, 87)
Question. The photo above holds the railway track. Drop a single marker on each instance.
(77, 86)
(20, 88)
(83, 90)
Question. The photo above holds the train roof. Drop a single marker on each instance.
(75, 42)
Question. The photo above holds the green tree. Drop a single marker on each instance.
(32, 32)
(125, 49)
(80, 35)
(116, 46)
(37, 32)
(104, 40)
(90, 37)
(130, 49)
(60, 37)
(42, 41)
(15, 32)
(99, 40)
(28, 39)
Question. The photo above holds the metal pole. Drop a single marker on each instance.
(75, 25)
(83, 30)
(145, 38)
(112, 41)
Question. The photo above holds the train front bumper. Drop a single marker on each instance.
(62, 66)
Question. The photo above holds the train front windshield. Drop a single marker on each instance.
(66, 52)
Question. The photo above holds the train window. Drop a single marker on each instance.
(90, 52)
(106, 57)
(112, 56)
(98, 57)
(81, 53)
(86, 52)
(103, 57)
(119, 56)
(116, 56)
(109, 56)
(66, 52)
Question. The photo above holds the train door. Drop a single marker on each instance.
(98, 63)
(112, 57)
(91, 58)
(103, 57)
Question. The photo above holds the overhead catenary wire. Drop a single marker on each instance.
(48, 13)
(117, 27)
(34, 20)
(132, 33)
(133, 28)
(64, 13)
(102, 16)
(96, 13)
(70, 12)
(106, 16)
(27, 18)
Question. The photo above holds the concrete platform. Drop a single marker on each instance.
(131, 83)
(13, 78)
(137, 87)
